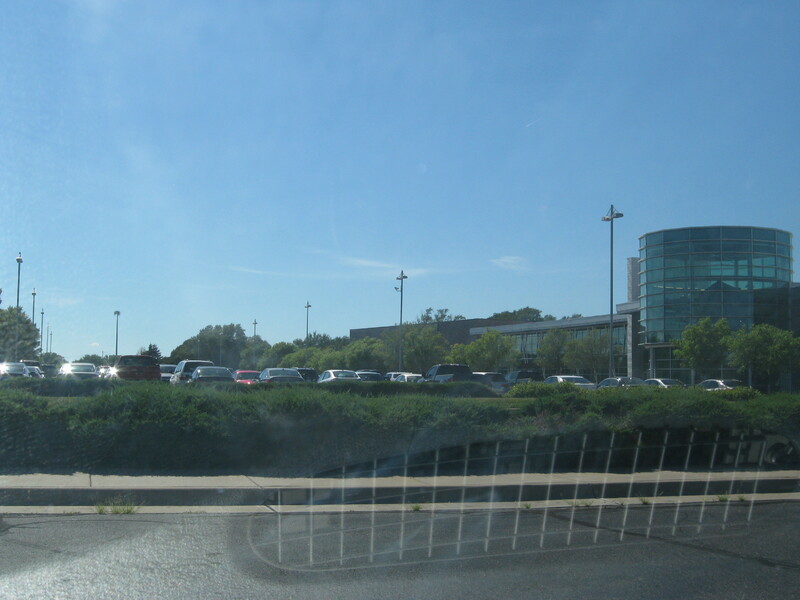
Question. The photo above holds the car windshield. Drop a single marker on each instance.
(589, 191)
(136, 361)
(247, 375)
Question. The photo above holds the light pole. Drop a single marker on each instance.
(401, 278)
(16, 315)
(116, 336)
(33, 310)
(254, 327)
(19, 268)
(612, 214)
(41, 335)
(307, 307)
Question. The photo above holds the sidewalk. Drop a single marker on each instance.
(84, 492)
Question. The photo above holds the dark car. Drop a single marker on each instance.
(204, 374)
(166, 372)
(136, 367)
(369, 376)
(280, 375)
(496, 381)
(612, 382)
(515, 377)
(308, 374)
(716, 385)
(447, 373)
(183, 372)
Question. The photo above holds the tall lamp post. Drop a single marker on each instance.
(612, 214)
(16, 315)
(116, 336)
(19, 268)
(307, 307)
(33, 310)
(401, 278)
(41, 335)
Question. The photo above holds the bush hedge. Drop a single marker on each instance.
(291, 430)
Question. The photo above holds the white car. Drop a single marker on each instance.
(338, 375)
(407, 377)
(581, 382)
(13, 369)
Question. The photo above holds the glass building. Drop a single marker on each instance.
(742, 274)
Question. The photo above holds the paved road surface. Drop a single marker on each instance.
(709, 554)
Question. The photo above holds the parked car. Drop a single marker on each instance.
(104, 371)
(581, 382)
(612, 382)
(166, 372)
(79, 371)
(664, 382)
(185, 368)
(716, 385)
(49, 370)
(391, 375)
(337, 375)
(206, 374)
(280, 375)
(139, 367)
(246, 377)
(13, 369)
(310, 375)
(35, 372)
(369, 376)
(447, 373)
(515, 377)
(408, 377)
(496, 381)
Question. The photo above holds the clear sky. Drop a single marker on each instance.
(196, 163)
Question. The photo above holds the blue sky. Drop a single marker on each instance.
(195, 163)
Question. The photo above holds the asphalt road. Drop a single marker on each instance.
(706, 551)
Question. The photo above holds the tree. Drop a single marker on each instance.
(589, 353)
(527, 313)
(221, 344)
(273, 356)
(19, 336)
(254, 348)
(551, 351)
(765, 349)
(489, 352)
(423, 347)
(441, 315)
(367, 353)
(95, 359)
(703, 346)
(151, 350)
(51, 358)
(322, 340)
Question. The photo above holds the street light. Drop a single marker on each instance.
(307, 307)
(33, 310)
(401, 278)
(609, 217)
(19, 268)
(116, 336)
(16, 315)
(41, 335)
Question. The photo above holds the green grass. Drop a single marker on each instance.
(116, 506)
(644, 500)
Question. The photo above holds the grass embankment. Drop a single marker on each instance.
(141, 427)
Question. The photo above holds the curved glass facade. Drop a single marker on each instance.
(691, 273)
